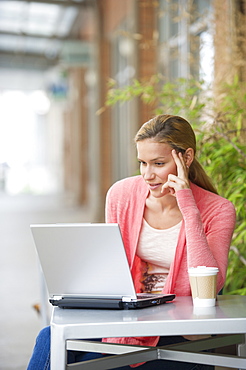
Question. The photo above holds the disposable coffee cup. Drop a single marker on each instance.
(203, 282)
(204, 312)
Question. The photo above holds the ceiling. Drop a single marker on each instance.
(36, 35)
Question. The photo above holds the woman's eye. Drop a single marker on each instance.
(159, 163)
(141, 162)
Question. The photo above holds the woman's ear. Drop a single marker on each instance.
(189, 157)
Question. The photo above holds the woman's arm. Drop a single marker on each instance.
(208, 237)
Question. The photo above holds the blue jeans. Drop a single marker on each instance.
(40, 359)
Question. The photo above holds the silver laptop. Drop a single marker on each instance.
(85, 266)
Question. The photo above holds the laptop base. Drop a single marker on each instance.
(116, 304)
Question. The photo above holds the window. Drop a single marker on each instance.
(124, 116)
(185, 39)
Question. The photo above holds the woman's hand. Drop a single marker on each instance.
(179, 181)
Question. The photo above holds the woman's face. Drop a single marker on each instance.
(156, 163)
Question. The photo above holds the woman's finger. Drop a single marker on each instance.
(179, 160)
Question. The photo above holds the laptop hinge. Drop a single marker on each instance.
(127, 299)
(57, 297)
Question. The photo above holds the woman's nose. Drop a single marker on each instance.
(149, 174)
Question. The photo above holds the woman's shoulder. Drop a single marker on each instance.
(129, 185)
(203, 196)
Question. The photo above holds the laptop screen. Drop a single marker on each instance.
(86, 260)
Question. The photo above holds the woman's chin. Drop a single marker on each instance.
(158, 194)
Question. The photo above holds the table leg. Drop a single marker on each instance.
(241, 348)
(58, 356)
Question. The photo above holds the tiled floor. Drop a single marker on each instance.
(20, 280)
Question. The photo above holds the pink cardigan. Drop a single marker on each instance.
(204, 239)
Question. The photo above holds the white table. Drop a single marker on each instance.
(69, 328)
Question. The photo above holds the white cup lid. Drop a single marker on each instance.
(203, 270)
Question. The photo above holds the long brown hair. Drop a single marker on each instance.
(178, 133)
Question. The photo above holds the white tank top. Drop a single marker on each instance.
(157, 249)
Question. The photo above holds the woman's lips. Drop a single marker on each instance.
(154, 186)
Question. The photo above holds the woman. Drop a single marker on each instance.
(171, 218)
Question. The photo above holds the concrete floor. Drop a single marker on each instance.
(19, 271)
